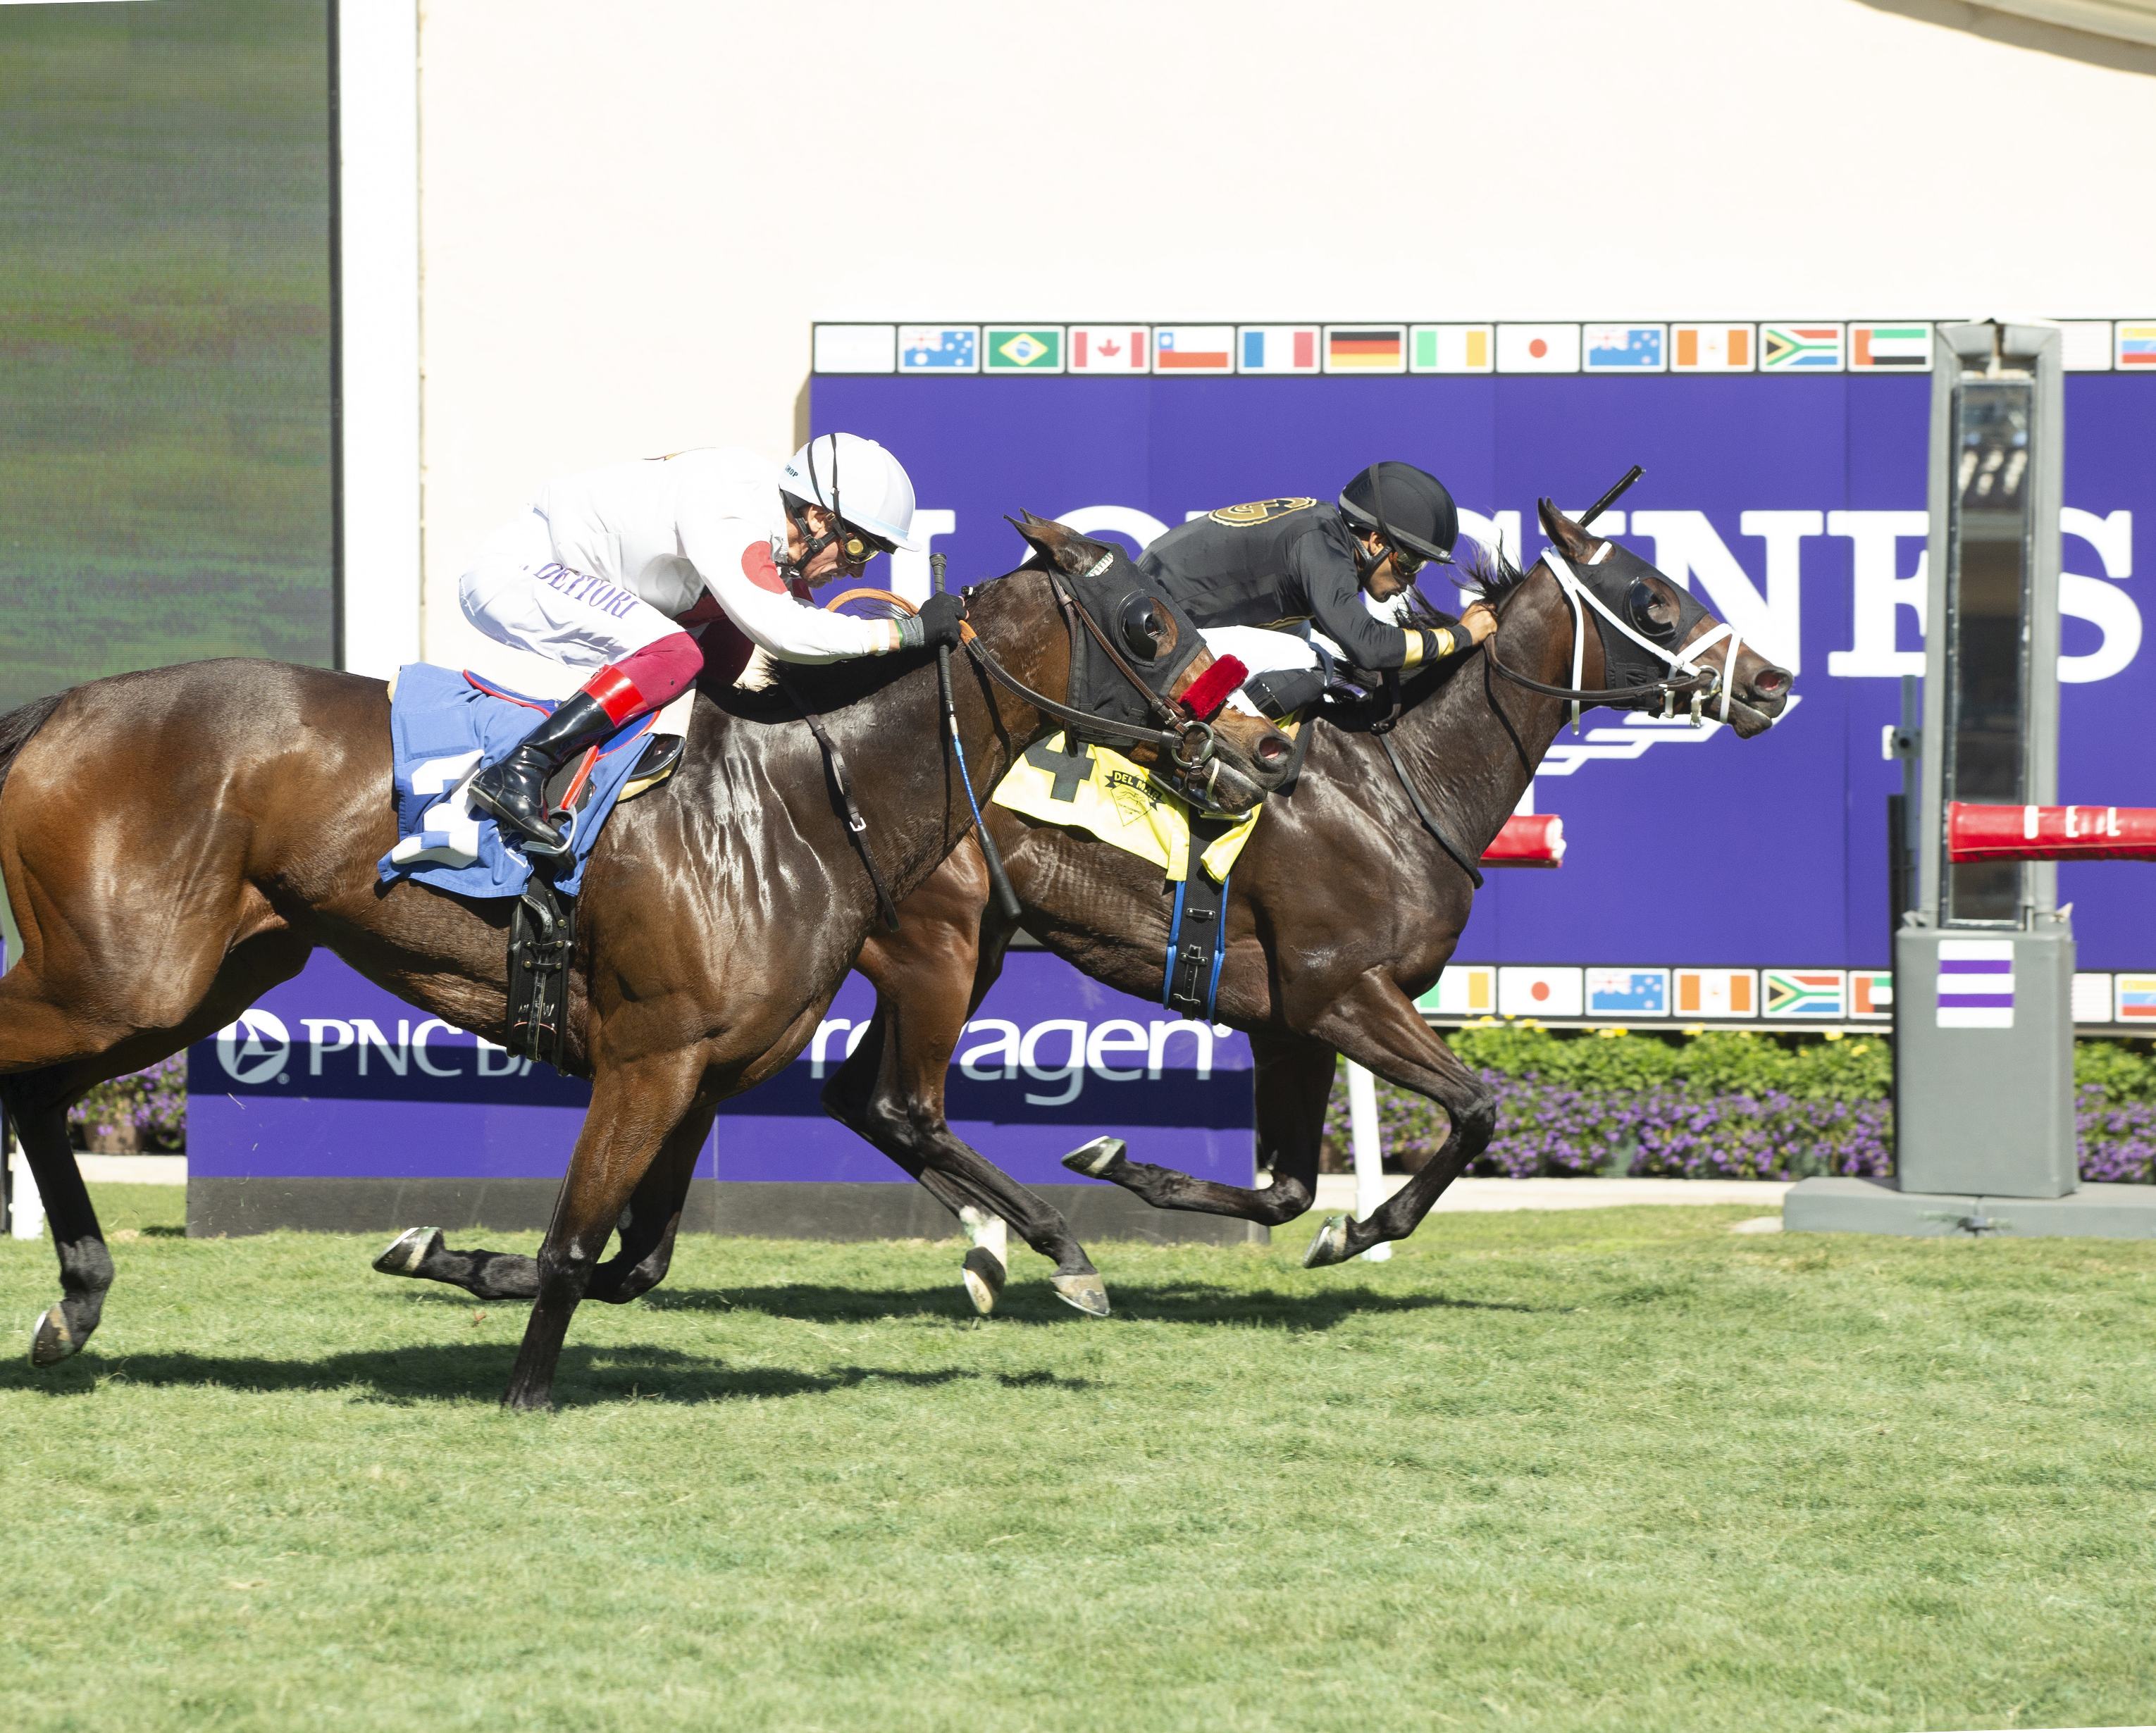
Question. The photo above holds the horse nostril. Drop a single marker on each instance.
(1272, 750)
(1770, 680)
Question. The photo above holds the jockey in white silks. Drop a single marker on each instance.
(623, 569)
(1279, 583)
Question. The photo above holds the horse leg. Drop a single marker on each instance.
(39, 1113)
(1378, 1027)
(929, 977)
(653, 1216)
(1294, 1078)
(647, 1228)
(890, 1091)
(421, 1252)
(635, 1111)
(51, 1054)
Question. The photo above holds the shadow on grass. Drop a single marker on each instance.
(1033, 1303)
(413, 1375)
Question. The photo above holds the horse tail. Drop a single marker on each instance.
(16, 727)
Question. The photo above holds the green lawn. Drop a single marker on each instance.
(1614, 1469)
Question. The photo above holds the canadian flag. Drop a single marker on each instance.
(1110, 348)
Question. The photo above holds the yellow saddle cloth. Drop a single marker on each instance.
(1103, 792)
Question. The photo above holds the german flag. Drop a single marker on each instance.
(1367, 349)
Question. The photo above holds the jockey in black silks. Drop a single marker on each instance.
(1279, 583)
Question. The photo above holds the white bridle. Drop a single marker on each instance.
(1681, 660)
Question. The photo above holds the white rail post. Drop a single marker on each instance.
(25, 1209)
(1369, 1153)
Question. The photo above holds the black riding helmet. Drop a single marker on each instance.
(1408, 507)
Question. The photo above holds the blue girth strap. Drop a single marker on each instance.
(1196, 942)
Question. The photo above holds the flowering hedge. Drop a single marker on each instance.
(1723, 1104)
(146, 1112)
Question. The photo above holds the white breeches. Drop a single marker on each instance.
(517, 593)
(1263, 650)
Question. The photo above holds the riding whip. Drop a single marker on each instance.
(1612, 497)
(1006, 898)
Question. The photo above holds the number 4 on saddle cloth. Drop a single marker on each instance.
(1102, 792)
(443, 727)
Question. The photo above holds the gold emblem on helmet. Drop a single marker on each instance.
(1257, 511)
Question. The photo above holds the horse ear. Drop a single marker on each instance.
(1058, 544)
(1579, 546)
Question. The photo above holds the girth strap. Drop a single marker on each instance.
(856, 826)
(1197, 935)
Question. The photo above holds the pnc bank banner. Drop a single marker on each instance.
(1793, 506)
(329, 1076)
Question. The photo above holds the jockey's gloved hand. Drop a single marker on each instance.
(936, 625)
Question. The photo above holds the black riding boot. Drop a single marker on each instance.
(515, 790)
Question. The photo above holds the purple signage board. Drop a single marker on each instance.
(328, 1076)
(1792, 505)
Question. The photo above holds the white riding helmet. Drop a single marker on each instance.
(857, 479)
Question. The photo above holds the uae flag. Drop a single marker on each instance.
(1890, 345)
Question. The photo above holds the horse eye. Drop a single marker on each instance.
(1647, 609)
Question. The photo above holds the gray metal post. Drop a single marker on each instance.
(1984, 962)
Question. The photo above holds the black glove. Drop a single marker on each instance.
(936, 625)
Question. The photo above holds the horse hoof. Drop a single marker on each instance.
(409, 1251)
(1331, 1245)
(983, 1273)
(1085, 1292)
(1093, 1159)
(50, 1342)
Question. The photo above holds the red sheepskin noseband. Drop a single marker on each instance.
(1204, 696)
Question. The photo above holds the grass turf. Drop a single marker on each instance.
(1612, 1469)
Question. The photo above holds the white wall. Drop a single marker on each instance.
(632, 212)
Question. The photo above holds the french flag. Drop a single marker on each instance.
(1279, 349)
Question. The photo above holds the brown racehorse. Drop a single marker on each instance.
(173, 842)
(1342, 911)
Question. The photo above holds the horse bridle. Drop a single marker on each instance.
(1699, 684)
(1187, 739)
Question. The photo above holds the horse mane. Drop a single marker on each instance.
(17, 725)
(1495, 576)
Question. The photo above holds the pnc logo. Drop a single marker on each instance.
(254, 1050)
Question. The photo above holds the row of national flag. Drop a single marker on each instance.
(1123, 350)
(1797, 997)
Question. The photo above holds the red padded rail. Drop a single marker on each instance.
(1535, 842)
(1975, 833)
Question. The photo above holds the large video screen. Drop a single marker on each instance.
(165, 344)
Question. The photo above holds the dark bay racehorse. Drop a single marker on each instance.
(176, 842)
(1342, 909)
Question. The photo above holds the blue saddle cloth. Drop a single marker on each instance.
(441, 725)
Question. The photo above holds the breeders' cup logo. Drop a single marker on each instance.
(254, 1050)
